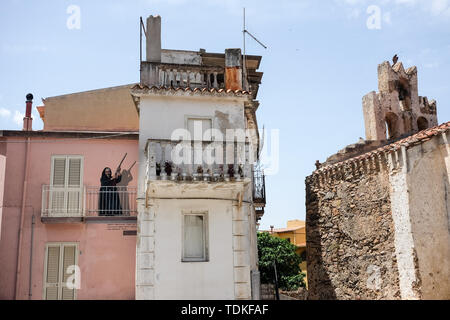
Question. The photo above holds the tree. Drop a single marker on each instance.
(281, 251)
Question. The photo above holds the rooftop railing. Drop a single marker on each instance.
(179, 75)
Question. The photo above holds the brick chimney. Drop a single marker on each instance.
(153, 47)
(28, 120)
(233, 69)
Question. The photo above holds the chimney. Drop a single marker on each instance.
(153, 39)
(233, 69)
(27, 120)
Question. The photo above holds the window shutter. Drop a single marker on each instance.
(52, 275)
(59, 172)
(59, 258)
(74, 172)
(68, 260)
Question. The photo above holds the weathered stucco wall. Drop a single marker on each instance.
(109, 109)
(428, 180)
(350, 236)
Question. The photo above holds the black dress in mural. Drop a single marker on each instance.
(109, 201)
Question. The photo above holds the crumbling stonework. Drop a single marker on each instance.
(397, 110)
(350, 235)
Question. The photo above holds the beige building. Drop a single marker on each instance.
(378, 224)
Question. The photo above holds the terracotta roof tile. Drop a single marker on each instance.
(189, 89)
(407, 142)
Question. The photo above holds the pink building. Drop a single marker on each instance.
(49, 203)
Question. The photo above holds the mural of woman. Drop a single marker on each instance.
(109, 202)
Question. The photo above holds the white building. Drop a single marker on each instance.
(198, 199)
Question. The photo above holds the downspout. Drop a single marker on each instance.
(26, 127)
(31, 258)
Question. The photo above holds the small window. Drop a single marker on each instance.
(197, 126)
(195, 248)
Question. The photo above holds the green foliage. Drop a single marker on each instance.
(272, 249)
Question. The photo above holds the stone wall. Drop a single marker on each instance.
(350, 234)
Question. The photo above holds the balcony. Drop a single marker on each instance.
(199, 161)
(179, 75)
(259, 192)
(88, 204)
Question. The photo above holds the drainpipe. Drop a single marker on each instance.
(27, 127)
(31, 258)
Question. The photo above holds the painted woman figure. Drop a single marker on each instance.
(109, 202)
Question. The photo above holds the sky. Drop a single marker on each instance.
(321, 59)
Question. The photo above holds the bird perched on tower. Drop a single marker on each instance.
(395, 59)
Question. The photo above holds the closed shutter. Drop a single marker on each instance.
(59, 172)
(59, 258)
(66, 189)
(52, 273)
(74, 184)
(68, 260)
(74, 172)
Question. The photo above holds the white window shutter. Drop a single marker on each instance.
(52, 273)
(74, 172)
(66, 189)
(68, 260)
(59, 172)
(59, 258)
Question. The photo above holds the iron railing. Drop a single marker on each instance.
(259, 187)
(88, 201)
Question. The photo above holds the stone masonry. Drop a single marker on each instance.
(378, 211)
(350, 234)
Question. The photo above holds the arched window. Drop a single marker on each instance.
(422, 123)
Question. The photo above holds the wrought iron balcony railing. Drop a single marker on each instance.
(88, 201)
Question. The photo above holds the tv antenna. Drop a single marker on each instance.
(245, 31)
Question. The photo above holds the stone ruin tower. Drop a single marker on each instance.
(397, 110)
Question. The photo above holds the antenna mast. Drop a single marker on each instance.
(244, 31)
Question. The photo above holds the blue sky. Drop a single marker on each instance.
(321, 59)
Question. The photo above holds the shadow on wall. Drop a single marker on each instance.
(319, 283)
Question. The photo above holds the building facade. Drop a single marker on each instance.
(378, 211)
(196, 201)
(179, 224)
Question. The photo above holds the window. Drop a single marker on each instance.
(199, 125)
(195, 237)
(65, 196)
(58, 258)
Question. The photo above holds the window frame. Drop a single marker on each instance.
(194, 117)
(205, 257)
